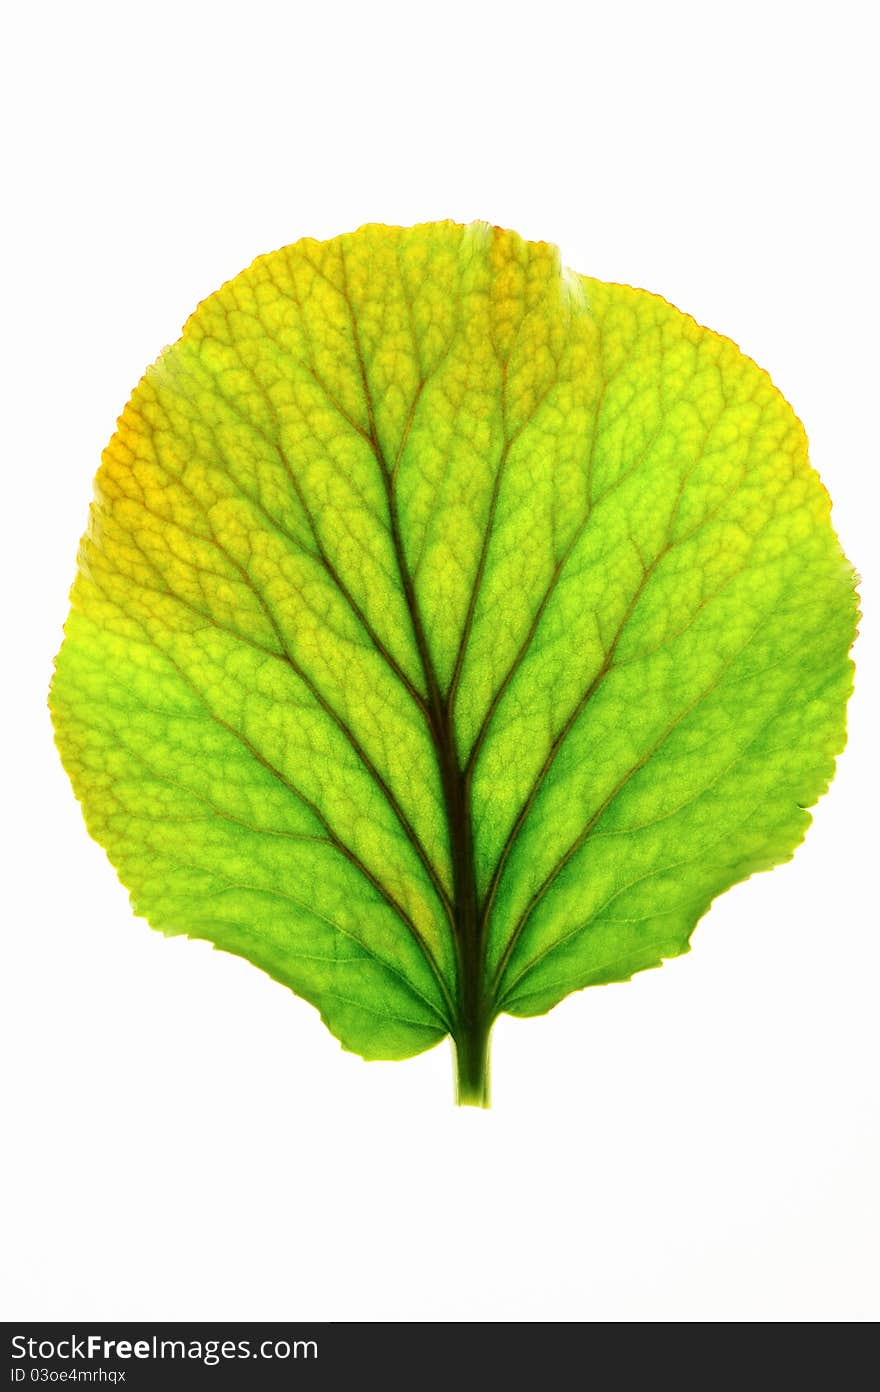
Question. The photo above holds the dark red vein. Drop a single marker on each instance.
(594, 821)
(559, 740)
(343, 726)
(410, 833)
(590, 691)
(583, 836)
(322, 556)
(339, 845)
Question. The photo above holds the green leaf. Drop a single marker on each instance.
(450, 629)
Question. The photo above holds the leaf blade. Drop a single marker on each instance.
(450, 630)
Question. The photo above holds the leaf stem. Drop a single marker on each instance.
(472, 1067)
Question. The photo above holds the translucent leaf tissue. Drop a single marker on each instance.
(450, 629)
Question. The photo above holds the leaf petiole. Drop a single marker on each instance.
(472, 1051)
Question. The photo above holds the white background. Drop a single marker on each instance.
(185, 1139)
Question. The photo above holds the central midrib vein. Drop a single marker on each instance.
(455, 783)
